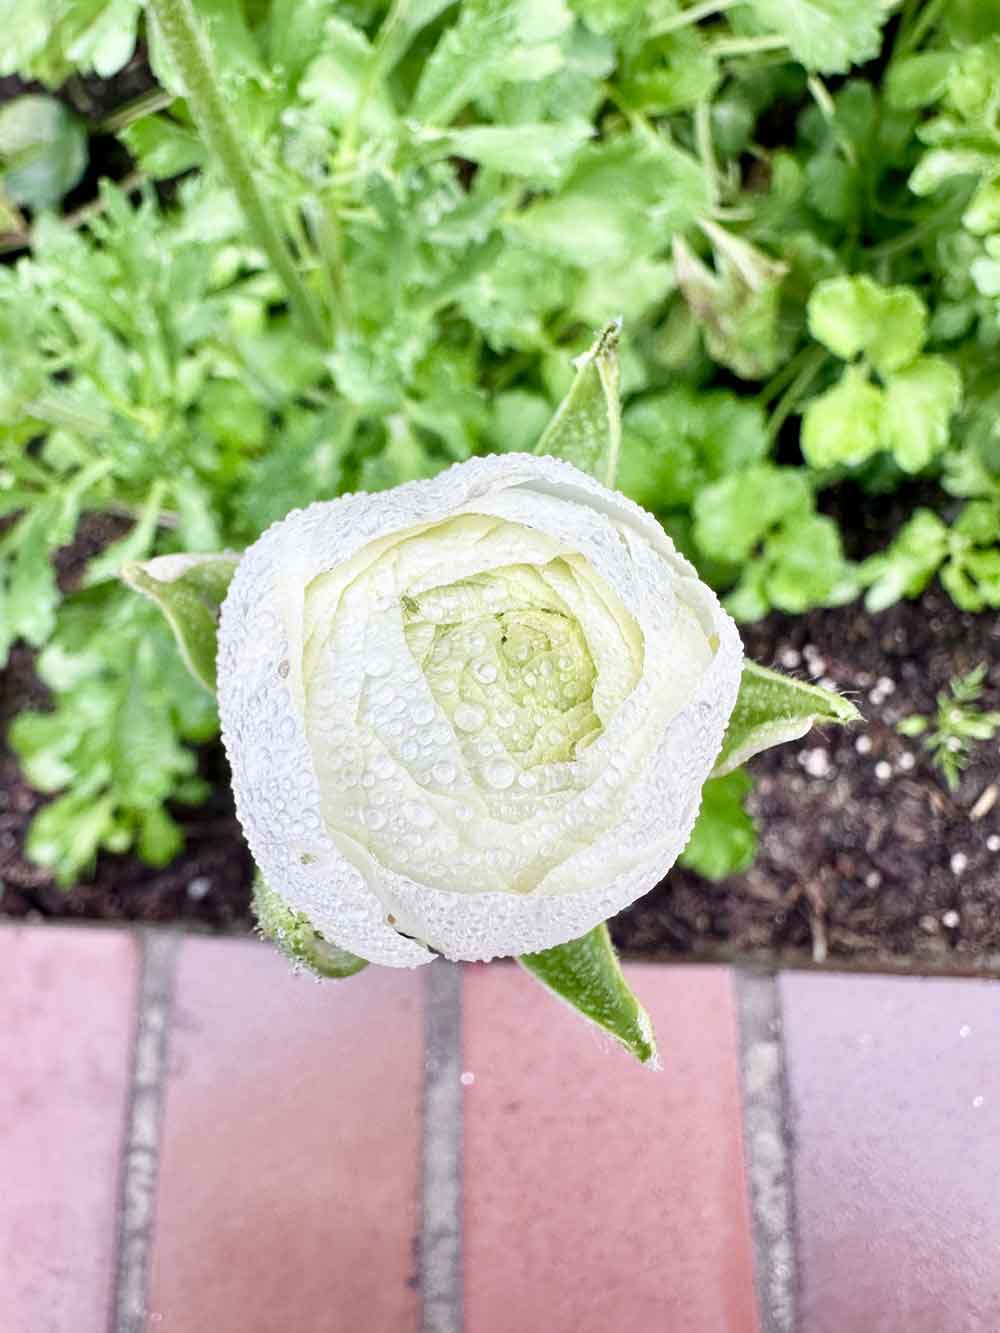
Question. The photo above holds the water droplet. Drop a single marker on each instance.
(379, 664)
(283, 668)
(485, 672)
(423, 713)
(444, 773)
(468, 717)
(375, 820)
(419, 815)
(500, 773)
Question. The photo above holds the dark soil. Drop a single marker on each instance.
(865, 855)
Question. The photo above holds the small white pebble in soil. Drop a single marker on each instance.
(929, 924)
(817, 667)
(199, 887)
(873, 879)
(950, 918)
(816, 762)
(959, 861)
(885, 686)
(467, 1079)
(790, 659)
(993, 843)
(863, 745)
(977, 1102)
(906, 761)
(965, 1031)
(883, 771)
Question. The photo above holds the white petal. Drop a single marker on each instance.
(262, 639)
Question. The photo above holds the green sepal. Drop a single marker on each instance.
(587, 975)
(297, 939)
(771, 709)
(188, 589)
(587, 427)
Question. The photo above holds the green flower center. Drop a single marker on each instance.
(502, 653)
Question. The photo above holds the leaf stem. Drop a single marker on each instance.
(747, 46)
(788, 401)
(707, 9)
(188, 48)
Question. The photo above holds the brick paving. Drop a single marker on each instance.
(194, 1139)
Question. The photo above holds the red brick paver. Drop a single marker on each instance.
(67, 999)
(289, 1174)
(600, 1195)
(895, 1103)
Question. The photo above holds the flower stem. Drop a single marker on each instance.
(189, 50)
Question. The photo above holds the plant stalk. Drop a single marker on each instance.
(190, 52)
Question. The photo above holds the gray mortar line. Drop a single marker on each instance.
(440, 1246)
(137, 1194)
(768, 1159)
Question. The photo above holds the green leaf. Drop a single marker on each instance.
(851, 315)
(735, 513)
(43, 150)
(771, 709)
(906, 567)
(919, 403)
(298, 939)
(587, 975)
(624, 198)
(677, 442)
(537, 153)
(337, 78)
(188, 589)
(162, 147)
(826, 35)
(844, 425)
(805, 563)
(493, 42)
(724, 840)
(586, 429)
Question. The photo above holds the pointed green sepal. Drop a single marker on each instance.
(772, 709)
(587, 427)
(297, 939)
(188, 589)
(587, 975)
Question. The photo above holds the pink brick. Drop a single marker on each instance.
(67, 997)
(289, 1174)
(895, 1102)
(600, 1195)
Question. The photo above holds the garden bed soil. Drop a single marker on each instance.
(865, 856)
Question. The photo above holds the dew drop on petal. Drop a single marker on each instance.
(468, 717)
(500, 773)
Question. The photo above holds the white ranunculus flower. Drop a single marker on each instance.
(472, 714)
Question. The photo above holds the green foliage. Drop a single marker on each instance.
(966, 555)
(123, 704)
(951, 734)
(43, 151)
(910, 414)
(586, 974)
(298, 939)
(724, 839)
(771, 709)
(808, 278)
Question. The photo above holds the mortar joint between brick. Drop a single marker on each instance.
(140, 1151)
(768, 1150)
